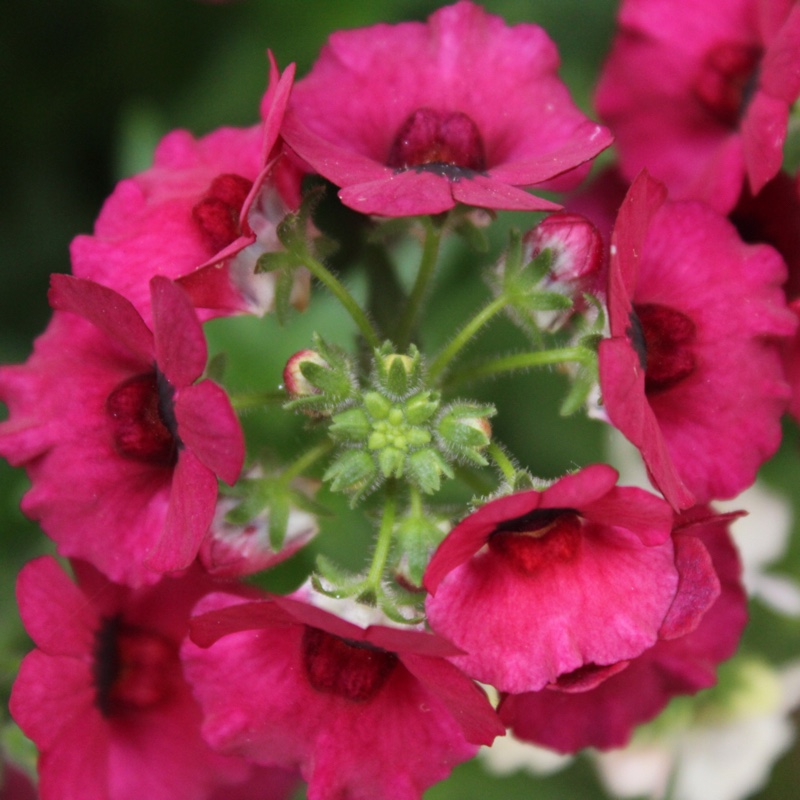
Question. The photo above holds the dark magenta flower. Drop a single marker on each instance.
(104, 698)
(204, 212)
(702, 629)
(562, 584)
(414, 118)
(122, 446)
(362, 712)
(699, 92)
(692, 374)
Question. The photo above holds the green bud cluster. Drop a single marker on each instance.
(396, 428)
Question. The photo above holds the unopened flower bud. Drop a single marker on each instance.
(575, 245)
(396, 374)
(297, 384)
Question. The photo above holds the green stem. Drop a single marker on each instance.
(518, 361)
(503, 462)
(301, 464)
(427, 267)
(465, 335)
(381, 554)
(337, 288)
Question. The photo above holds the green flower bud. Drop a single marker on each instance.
(425, 468)
(353, 471)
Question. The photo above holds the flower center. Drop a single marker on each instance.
(134, 669)
(352, 670)
(446, 143)
(217, 214)
(544, 536)
(727, 80)
(143, 419)
(662, 337)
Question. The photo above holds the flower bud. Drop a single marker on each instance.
(295, 382)
(576, 249)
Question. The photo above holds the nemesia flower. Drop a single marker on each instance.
(122, 447)
(213, 202)
(560, 586)
(691, 374)
(103, 696)
(699, 92)
(682, 661)
(362, 712)
(414, 118)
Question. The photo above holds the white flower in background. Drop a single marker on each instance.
(508, 755)
(718, 746)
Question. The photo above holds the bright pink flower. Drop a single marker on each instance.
(103, 696)
(691, 374)
(212, 202)
(555, 585)
(701, 630)
(698, 92)
(363, 713)
(414, 118)
(122, 447)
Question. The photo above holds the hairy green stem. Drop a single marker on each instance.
(384, 543)
(337, 288)
(465, 335)
(415, 302)
(518, 361)
(498, 455)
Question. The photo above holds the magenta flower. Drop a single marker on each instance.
(363, 713)
(122, 447)
(103, 696)
(702, 629)
(414, 118)
(699, 92)
(214, 202)
(559, 585)
(691, 374)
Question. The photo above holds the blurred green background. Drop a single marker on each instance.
(90, 87)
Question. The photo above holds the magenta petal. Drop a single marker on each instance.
(106, 309)
(471, 533)
(334, 163)
(401, 194)
(763, 133)
(181, 350)
(622, 382)
(273, 106)
(49, 693)
(463, 699)
(522, 631)
(210, 286)
(698, 588)
(488, 192)
(780, 67)
(643, 199)
(54, 611)
(585, 143)
(191, 508)
(209, 427)
(77, 767)
(208, 628)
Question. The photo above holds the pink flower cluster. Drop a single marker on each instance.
(585, 604)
